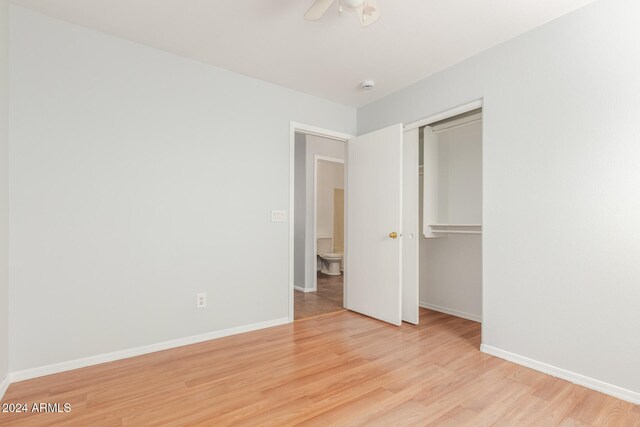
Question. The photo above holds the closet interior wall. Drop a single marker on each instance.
(451, 217)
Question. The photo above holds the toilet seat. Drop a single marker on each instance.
(331, 256)
(331, 264)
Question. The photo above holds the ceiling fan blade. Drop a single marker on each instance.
(368, 13)
(318, 9)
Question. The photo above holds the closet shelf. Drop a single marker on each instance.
(456, 231)
(451, 228)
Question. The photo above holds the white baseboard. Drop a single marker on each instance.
(593, 384)
(301, 289)
(4, 385)
(445, 310)
(55, 368)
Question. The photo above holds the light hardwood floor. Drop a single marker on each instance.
(331, 370)
(327, 298)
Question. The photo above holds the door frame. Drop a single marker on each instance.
(426, 121)
(461, 109)
(316, 159)
(324, 133)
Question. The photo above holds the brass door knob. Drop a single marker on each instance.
(393, 235)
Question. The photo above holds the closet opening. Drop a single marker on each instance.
(450, 248)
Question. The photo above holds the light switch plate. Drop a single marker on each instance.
(278, 216)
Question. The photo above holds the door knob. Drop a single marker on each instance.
(393, 235)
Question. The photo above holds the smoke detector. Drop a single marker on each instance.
(367, 85)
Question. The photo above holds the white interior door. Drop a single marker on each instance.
(374, 212)
(411, 227)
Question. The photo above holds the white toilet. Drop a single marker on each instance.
(331, 263)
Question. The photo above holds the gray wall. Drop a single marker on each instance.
(4, 186)
(139, 178)
(300, 210)
(560, 185)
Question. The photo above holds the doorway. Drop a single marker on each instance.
(326, 293)
(384, 268)
(373, 280)
(318, 226)
(451, 215)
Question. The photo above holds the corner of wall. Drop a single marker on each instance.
(4, 193)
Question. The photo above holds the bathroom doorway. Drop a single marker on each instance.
(319, 225)
(328, 194)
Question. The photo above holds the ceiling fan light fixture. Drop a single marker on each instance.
(352, 3)
(366, 10)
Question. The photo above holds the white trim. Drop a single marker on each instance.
(445, 115)
(592, 383)
(301, 289)
(457, 123)
(4, 385)
(450, 311)
(55, 368)
(316, 159)
(316, 131)
(307, 130)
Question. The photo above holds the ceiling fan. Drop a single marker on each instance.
(367, 10)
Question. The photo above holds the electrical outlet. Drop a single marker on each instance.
(201, 300)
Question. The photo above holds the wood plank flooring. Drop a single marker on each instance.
(332, 370)
(327, 298)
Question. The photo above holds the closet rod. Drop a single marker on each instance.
(456, 231)
(455, 225)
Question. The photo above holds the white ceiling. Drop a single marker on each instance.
(270, 40)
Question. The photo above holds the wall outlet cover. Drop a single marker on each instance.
(201, 300)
